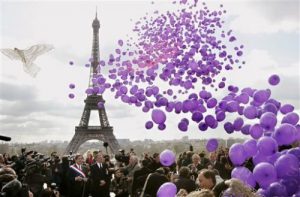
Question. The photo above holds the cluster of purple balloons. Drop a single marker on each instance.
(188, 49)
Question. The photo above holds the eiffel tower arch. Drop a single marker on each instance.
(84, 132)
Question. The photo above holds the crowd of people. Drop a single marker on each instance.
(97, 175)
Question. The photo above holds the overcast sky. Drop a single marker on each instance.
(36, 109)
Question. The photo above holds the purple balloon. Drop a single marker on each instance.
(245, 175)
(243, 98)
(228, 126)
(158, 116)
(149, 125)
(237, 154)
(238, 123)
(256, 131)
(295, 152)
(167, 190)
(250, 112)
(212, 145)
(286, 108)
(264, 174)
(202, 126)
(71, 85)
(232, 106)
(261, 96)
(291, 118)
(183, 126)
(270, 107)
(286, 165)
(268, 121)
(274, 80)
(210, 121)
(250, 147)
(277, 189)
(220, 116)
(162, 126)
(167, 157)
(211, 102)
(267, 146)
(197, 116)
(285, 134)
(100, 105)
(71, 96)
(246, 129)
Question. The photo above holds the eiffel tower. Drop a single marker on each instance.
(84, 132)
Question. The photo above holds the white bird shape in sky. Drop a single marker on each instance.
(28, 56)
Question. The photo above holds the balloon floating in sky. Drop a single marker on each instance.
(212, 145)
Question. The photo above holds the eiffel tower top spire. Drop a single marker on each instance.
(95, 49)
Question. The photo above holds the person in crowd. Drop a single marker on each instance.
(225, 168)
(63, 189)
(202, 193)
(184, 181)
(110, 165)
(203, 160)
(195, 166)
(77, 178)
(207, 179)
(238, 188)
(154, 181)
(100, 177)
(119, 184)
(130, 169)
(139, 178)
(155, 162)
(2, 161)
(7, 159)
(89, 158)
(187, 158)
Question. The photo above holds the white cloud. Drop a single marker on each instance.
(256, 17)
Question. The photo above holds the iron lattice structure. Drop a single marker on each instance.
(84, 132)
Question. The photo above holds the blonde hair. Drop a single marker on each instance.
(195, 156)
(202, 193)
(238, 188)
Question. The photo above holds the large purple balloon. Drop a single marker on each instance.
(264, 174)
(167, 157)
(212, 145)
(286, 165)
(291, 118)
(284, 109)
(285, 134)
(238, 123)
(158, 116)
(250, 112)
(277, 189)
(270, 107)
(250, 147)
(267, 146)
(237, 154)
(268, 121)
(256, 131)
(167, 190)
(261, 96)
(243, 174)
